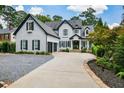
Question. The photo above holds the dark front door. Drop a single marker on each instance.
(49, 46)
(55, 47)
(75, 44)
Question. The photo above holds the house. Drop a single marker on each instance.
(33, 35)
(7, 35)
(72, 34)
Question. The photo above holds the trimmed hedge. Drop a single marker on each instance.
(30, 52)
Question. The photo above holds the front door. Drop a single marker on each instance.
(76, 44)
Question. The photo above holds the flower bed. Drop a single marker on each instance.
(107, 76)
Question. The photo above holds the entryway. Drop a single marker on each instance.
(76, 44)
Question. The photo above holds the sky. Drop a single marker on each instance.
(112, 14)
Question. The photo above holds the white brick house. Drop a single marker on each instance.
(33, 35)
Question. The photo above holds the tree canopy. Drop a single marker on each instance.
(44, 18)
(57, 18)
(89, 17)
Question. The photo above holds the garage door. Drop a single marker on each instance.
(49, 46)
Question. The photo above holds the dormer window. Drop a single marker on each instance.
(87, 32)
(76, 31)
(30, 26)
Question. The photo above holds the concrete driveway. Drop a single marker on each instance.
(64, 71)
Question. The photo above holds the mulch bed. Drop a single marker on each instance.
(107, 76)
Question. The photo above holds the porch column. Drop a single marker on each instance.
(79, 44)
(87, 44)
(71, 44)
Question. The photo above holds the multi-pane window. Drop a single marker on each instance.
(35, 44)
(24, 44)
(64, 44)
(30, 26)
(76, 31)
(65, 32)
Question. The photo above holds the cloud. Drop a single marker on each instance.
(80, 8)
(36, 10)
(20, 8)
(113, 25)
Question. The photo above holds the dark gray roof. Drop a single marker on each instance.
(6, 31)
(48, 30)
(74, 23)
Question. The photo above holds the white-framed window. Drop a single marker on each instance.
(30, 26)
(87, 31)
(76, 31)
(65, 32)
(35, 44)
(24, 44)
(64, 44)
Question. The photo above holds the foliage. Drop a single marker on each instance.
(75, 18)
(89, 17)
(83, 50)
(57, 18)
(7, 47)
(120, 75)
(1, 27)
(12, 47)
(65, 50)
(98, 50)
(103, 62)
(30, 52)
(44, 18)
(11, 16)
(118, 56)
(42, 53)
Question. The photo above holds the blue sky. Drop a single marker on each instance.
(111, 13)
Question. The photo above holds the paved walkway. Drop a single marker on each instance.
(64, 71)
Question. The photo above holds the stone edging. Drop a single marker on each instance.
(93, 75)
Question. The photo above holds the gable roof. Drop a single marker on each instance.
(75, 24)
(43, 26)
(75, 35)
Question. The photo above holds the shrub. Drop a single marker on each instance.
(98, 50)
(12, 47)
(83, 50)
(42, 53)
(117, 68)
(64, 50)
(120, 75)
(118, 56)
(103, 62)
(5, 46)
(24, 52)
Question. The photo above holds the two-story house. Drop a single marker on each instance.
(72, 34)
(33, 35)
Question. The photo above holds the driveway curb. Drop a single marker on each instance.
(93, 75)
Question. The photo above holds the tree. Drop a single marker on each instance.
(43, 18)
(100, 23)
(89, 17)
(75, 18)
(1, 27)
(11, 16)
(8, 13)
(57, 18)
(119, 51)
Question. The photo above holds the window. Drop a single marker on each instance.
(24, 44)
(83, 44)
(87, 32)
(35, 44)
(65, 32)
(6, 36)
(65, 44)
(30, 25)
(76, 31)
(83, 33)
